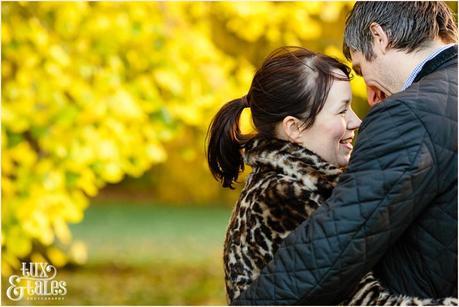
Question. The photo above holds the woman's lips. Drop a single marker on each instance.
(347, 146)
(347, 143)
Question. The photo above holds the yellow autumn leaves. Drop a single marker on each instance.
(92, 91)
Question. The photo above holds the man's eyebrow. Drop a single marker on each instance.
(356, 68)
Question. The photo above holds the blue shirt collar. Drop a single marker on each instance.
(418, 67)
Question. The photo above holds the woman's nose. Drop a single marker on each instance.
(354, 121)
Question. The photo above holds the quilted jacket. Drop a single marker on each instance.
(393, 210)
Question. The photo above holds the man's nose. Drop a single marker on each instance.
(374, 95)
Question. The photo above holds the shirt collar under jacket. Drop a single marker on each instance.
(418, 68)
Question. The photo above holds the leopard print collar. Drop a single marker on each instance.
(287, 157)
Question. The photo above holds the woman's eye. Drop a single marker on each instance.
(343, 112)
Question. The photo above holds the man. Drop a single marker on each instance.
(395, 209)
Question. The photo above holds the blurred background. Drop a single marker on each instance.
(105, 108)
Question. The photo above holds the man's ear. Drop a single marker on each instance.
(290, 126)
(374, 95)
(380, 40)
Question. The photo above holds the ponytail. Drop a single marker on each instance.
(225, 143)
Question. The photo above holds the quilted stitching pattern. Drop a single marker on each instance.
(402, 171)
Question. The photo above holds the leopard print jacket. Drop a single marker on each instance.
(287, 183)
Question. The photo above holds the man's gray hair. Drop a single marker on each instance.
(409, 25)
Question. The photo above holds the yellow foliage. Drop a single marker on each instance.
(92, 91)
(246, 125)
(57, 257)
(78, 252)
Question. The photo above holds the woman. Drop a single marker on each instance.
(300, 104)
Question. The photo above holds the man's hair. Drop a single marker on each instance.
(408, 25)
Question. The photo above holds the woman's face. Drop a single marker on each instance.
(332, 133)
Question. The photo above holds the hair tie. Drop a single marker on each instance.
(245, 101)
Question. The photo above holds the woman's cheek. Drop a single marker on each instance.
(337, 130)
(342, 156)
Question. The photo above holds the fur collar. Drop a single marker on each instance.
(289, 158)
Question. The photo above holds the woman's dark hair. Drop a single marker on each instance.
(408, 25)
(291, 81)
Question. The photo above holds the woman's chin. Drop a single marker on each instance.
(344, 161)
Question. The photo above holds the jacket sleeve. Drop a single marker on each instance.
(390, 179)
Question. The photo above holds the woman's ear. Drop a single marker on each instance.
(380, 40)
(291, 129)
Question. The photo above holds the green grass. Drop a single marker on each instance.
(138, 234)
(147, 255)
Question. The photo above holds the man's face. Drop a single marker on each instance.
(373, 72)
